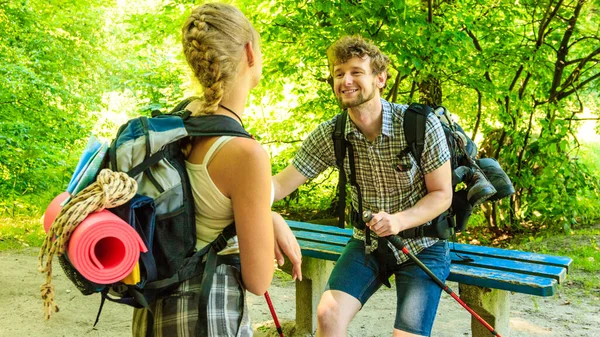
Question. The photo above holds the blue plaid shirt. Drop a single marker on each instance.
(383, 187)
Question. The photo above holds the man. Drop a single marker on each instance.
(401, 193)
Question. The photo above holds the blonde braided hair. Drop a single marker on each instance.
(213, 38)
(111, 189)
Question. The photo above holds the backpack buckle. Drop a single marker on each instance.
(220, 243)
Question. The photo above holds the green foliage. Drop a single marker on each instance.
(517, 75)
(62, 63)
(44, 94)
(20, 232)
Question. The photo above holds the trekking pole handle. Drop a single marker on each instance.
(393, 239)
(399, 244)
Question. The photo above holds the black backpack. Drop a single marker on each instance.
(415, 117)
(162, 212)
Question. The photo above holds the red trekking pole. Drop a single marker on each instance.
(279, 329)
(397, 242)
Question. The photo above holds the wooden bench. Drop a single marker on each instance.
(484, 284)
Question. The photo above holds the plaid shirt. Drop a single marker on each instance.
(383, 187)
(178, 314)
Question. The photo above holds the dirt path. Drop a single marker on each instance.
(575, 315)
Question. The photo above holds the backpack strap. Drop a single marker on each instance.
(208, 125)
(179, 109)
(415, 118)
(214, 125)
(210, 268)
(354, 183)
(339, 147)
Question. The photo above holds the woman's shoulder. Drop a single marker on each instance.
(245, 147)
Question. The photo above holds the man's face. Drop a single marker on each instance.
(354, 82)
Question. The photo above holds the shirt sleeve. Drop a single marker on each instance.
(435, 152)
(316, 153)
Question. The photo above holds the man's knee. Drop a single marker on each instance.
(334, 313)
(328, 311)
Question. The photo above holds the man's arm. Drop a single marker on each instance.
(436, 201)
(287, 181)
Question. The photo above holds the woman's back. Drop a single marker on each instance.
(239, 169)
(213, 209)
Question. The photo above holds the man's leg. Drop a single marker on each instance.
(349, 287)
(336, 310)
(418, 295)
(400, 333)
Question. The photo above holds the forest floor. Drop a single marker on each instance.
(572, 312)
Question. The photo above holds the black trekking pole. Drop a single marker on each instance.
(272, 309)
(397, 242)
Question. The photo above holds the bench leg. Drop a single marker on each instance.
(492, 305)
(315, 273)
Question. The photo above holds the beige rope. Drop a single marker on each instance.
(111, 189)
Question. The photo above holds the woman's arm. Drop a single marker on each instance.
(286, 244)
(248, 184)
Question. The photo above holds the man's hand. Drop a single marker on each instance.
(384, 224)
(286, 244)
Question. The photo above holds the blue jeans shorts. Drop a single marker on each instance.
(417, 294)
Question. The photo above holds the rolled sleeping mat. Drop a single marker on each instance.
(53, 209)
(104, 248)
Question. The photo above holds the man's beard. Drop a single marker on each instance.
(358, 101)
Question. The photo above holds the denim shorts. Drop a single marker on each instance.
(417, 294)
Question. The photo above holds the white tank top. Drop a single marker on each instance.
(214, 210)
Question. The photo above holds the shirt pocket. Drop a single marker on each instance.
(405, 170)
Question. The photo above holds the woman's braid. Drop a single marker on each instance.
(213, 40)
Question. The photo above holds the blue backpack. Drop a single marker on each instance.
(162, 212)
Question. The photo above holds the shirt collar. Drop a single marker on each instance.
(387, 128)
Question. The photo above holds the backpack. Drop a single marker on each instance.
(162, 212)
(461, 147)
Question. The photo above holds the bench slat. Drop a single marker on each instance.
(488, 278)
(297, 226)
(528, 268)
(320, 250)
(320, 237)
(560, 261)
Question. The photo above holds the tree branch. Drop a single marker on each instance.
(582, 39)
(378, 29)
(282, 141)
(574, 76)
(582, 119)
(478, 119)
(545, 22)
(478, 47)
(563, 50)
(525, 143)
(564, 94)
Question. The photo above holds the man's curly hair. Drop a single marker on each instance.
(348, 47)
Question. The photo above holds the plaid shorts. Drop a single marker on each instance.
(177, 314)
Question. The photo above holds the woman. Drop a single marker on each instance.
(231, 181)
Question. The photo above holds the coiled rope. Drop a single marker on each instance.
(111, 189)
